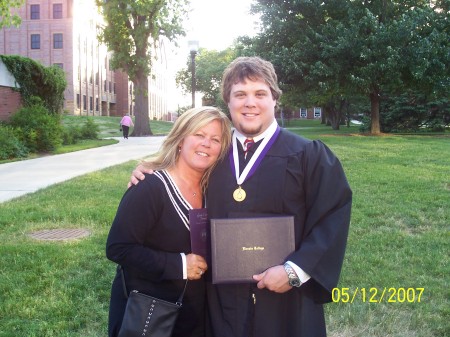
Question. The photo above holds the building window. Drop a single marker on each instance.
(96, 104)
(57, 11)
(57, 41)
(84, 102)
(303, 113)
(110, 86)
(35, 12)
(35, 41)
(317, 112)
(91, 103)
(78, 101)
(114, 86)
(104, 86)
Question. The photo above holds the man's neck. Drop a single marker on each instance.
(241, 137)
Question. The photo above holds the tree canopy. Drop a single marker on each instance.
(8, 19)
(210, 65)
(133, 31)
(334, 49)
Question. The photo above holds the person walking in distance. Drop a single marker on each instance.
(125, 124)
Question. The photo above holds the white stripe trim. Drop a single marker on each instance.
(178, 209)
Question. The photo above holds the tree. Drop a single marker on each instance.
(342, 48)
(133, 32)
(6, 18)
(209, 67)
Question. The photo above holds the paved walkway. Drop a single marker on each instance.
(27, 176)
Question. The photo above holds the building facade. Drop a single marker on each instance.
(64, 33)
(10, 99)
(310, 113)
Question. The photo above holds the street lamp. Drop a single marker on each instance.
(193, 48)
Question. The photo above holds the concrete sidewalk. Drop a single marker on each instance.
(27, 176)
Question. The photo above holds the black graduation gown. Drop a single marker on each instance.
(297, 177)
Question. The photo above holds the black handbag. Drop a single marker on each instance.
(147, 315)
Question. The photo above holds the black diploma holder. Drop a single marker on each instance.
(243, 247)
(199, 226)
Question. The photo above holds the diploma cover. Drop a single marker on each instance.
(243, 247)
(199, 226)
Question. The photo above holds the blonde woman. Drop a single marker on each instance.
(150, 237)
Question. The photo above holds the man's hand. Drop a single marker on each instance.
(274, 279)
(138, 174)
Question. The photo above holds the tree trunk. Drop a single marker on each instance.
(375, 113)
(142, 121)
(334, 114)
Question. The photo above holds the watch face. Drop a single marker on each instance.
(294, 283)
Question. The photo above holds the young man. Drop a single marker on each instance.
(291, 176)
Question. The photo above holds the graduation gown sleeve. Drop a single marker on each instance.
(326, 220)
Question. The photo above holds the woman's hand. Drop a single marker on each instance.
(196, 266)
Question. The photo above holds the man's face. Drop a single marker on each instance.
(252, 107)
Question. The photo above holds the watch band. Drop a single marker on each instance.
(294, 280)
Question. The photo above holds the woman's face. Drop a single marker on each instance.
(201, 150)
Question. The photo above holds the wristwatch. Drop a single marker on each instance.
(294, 281)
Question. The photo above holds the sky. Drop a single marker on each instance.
(214, 24)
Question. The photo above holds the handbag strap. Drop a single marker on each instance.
(120, 268)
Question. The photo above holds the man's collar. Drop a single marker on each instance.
(257, 138)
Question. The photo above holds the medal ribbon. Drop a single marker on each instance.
(255, 161)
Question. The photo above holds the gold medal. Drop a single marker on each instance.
(239, 194)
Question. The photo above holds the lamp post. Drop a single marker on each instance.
(193, 48)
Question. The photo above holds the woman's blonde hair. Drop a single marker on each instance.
(188, 124)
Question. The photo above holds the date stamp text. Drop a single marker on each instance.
(377, 295)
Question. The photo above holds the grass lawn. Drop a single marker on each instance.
(108, 127)
(399, 239)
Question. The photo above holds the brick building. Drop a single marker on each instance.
(309, 113)
(10, 99)
(63, 33)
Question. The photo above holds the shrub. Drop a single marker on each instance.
(10, 145)
(71, 135)
(39, 131)
(89, 130)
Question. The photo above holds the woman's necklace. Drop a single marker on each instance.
(184, 186)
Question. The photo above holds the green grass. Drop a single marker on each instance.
(109, 126)
(399, 238)
(84, 145)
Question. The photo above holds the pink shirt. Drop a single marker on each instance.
(126, 120)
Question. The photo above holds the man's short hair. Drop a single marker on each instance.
(251, 68)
